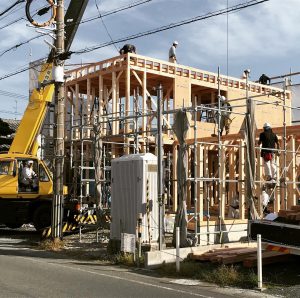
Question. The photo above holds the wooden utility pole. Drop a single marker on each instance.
(58, 193)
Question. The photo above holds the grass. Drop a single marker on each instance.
(52, 245)
(235, 276)
(128, 260)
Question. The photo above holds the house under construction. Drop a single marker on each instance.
(115, 101)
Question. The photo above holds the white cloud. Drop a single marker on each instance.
(263, 37)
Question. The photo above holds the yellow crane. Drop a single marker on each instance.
(26, 185)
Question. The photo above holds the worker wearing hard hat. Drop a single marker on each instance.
(226, 110)
(28, 175)
(270, 145)
(172, 52)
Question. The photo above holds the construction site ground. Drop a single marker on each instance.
(281, 280)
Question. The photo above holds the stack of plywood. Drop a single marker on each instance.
(292, 215)
(245, 255)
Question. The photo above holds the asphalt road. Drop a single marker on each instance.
(26, 272)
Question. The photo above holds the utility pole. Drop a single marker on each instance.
(58, 76)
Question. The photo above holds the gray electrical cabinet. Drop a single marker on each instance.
(134, 191)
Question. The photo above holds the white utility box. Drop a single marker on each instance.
(134, 191)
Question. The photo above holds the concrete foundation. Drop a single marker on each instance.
(234, 233)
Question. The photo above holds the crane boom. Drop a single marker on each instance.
(25, 139)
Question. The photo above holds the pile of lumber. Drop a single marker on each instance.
(245, 255)
(290, 216)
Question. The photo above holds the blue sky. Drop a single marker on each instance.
(264, 38)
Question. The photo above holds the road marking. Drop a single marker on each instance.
(123, 278)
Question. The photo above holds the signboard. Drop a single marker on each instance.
(128, 242)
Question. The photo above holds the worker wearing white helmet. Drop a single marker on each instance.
(226, 110)
(270, 145)
(28, 174)
(172, 52)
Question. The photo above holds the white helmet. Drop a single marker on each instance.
(222, 98)
(175, 42)
(266, 125)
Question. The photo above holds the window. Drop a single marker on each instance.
(5, 167)
(43, 175)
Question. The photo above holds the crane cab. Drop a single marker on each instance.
(24, 177)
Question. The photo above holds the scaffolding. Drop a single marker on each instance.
(216, 165)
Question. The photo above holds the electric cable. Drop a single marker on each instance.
(10, 112)
(174, 25)
(111, 39)
(153, 31)
(72, 23)
(19, 19)
(41, 11)
(13, 95)
(11, 7)
(20, 44)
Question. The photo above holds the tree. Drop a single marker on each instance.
(5, 132)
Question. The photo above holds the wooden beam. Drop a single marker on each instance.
(241, 185)
(149, 95)
(291, 174)
(174, 177)
(144, 88)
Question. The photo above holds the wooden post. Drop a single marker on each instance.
(127, 105)
(291, 174)
(77, 108)
(201, 165)
(222, 195)
(114, 103)
(258, 185)
(232, 185)
(189, 184)
(241, 185)
(174, 177)
(144, 119)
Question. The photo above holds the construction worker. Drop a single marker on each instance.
(28, 175)
(269, 141)
(128, 48)
(264, 79)
(172, 52)
(226, 110)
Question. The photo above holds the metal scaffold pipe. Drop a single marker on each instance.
(159, 166)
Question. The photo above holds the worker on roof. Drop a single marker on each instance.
(264, 79)
(226, 110)
(172, 52)
(269, 140)
(127, 48)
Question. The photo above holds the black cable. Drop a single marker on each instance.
(11, 23)
(72, 23)
(20, 44)
(111, 39)
(19, 19)
(153, 31)
(13, 95)
(174, 25)
(11, 7)
(9, 112)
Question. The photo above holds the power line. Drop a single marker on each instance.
(11, 7)
(19, 19)
(20, 44)
(174, 25)
(13, 95)
(9, 112)
(111, 39)
(12, 22)
(72, 23)
(153, 31)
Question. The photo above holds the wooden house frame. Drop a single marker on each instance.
(116, 85)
